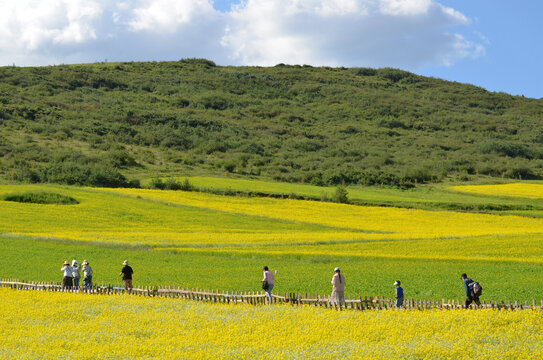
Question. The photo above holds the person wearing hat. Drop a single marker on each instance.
(76, 272)
(67, 280)
(87, 274)
(126, 273)
(399, 294)
(338, 288)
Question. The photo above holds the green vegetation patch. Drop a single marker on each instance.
(41, 198)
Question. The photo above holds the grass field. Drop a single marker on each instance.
(210, 241)
(61, 326)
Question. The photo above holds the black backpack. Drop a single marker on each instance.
(477, 289)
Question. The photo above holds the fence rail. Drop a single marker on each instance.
(259, 297)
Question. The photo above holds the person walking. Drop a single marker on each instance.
(67, 280)
(399, 294)
(338, 288)
(126, 273)
(267, 282)
(472, 293)
(76, 271)
(87, 274)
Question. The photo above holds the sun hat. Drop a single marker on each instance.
(336, 269)
(66, 262)
(125, 262)
(396, 283)
(74, 262)
(85, 262)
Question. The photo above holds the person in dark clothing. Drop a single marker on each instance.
(470, 294)
(126, 273)
(399, 294)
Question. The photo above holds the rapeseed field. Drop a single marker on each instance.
(49, 325)
(379, 222)
(525, 190)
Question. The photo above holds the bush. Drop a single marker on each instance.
(506, 149)
(41, 198)
(171, 184)
(393, 75)
(521, 173)
(84, 174)
(157, 184)
(215, 102)
(420, 175)
(341, 195)
(366, 72)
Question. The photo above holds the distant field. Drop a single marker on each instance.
(120, 327)
(210, 241)
(424, 196)
(523, 190)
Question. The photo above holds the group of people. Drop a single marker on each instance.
(472, 288)
(72, 274)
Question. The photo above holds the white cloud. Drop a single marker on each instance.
(400, 33)
(29, 24)
(405, 7)
(167, 15)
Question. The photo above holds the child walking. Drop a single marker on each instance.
(399, 294)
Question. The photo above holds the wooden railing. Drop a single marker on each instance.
(259, 297)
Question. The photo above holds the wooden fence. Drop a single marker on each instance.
(259, 297)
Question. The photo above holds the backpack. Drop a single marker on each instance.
(477, 289)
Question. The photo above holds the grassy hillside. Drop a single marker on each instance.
(104, 124)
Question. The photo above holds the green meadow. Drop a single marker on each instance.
(196, 247)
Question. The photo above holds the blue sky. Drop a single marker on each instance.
(494, 44)
(513, 59)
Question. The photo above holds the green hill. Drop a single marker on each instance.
(105, 123)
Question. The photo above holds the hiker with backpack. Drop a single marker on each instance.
(473, 290)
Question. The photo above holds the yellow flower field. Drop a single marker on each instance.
(48, 325)
(393, 223)
(107, 217)
(532, 191)
(177, 218)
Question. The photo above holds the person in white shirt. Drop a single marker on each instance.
(76, 272)
(87, 274)
(338, 288)
(67, 280)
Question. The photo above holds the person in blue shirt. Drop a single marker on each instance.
(399, 294)
(468, 288)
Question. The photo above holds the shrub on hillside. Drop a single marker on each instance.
(507, 149)
(41, 198)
